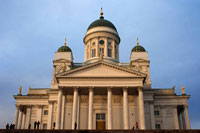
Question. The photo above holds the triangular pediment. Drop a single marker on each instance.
(101, 69)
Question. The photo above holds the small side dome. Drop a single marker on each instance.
(64, 48)
(138, 48)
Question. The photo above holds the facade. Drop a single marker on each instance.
(102, 93)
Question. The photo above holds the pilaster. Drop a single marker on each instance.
(50, 115)
(176, 121)
(59, 107)
(109, 107)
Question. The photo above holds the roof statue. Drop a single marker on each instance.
(20, 90)
(183, 90)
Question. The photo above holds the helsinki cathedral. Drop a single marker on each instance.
(102, 93)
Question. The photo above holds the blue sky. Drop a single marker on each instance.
(31, 31)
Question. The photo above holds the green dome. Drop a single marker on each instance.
(101, 22)
(64, 49)
(138, 48)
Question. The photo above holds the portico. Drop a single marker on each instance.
(92, 92)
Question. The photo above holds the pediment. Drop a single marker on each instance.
(101, 69)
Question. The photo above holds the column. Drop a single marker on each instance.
(183, 119)
(78, 111)
(63, 112)
(187, 117)
(109, 107)
(29, 109)
(16, 116)
(180, 120)
(20, 119)
(176, 121)
(106, 47)
(23, 119)
(141, 109)
(152, 115)
(90, 109)
(59, 107)
(50, 115)
(113, 48)
(74, 111)
(125, 108)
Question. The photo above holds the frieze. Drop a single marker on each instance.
(69, 100)
(100, 100)
(84, 100)
(117, 100)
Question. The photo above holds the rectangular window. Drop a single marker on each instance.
(93, 52)
(115, 51)
(45, 112)
(109, 52)
(109, 44)
(156, 113)
(100, 116)
(45, 126)
(157, 126)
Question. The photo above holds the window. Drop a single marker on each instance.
(45, 126)
(109, 44)
(156, 113)
(115, 51)
(157, 126)
(101, 42)
(93, 52)
(45, 112)
(100, 116)
(109, 52)
(101, 50)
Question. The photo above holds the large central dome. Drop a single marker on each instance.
(101, 22)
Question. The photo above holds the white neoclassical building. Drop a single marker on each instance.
(102, 93)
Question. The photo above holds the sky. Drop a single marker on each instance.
(32, 31)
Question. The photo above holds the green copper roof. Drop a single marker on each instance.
(138, 48)
(101, 22)
(64, 49)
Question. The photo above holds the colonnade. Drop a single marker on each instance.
(75, 109)
(183, 117)
(20, 116)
